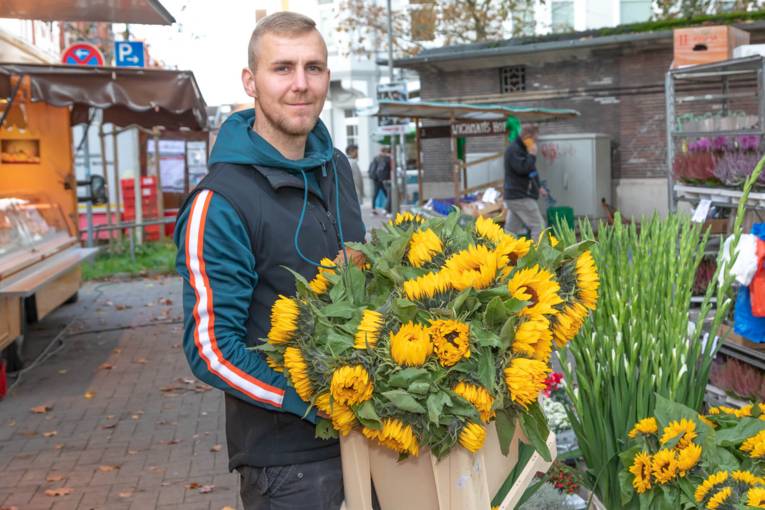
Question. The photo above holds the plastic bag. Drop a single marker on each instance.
(757, 287)
(746, 259)
(746, 324)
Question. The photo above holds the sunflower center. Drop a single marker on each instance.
(534, 296)
(451, 337)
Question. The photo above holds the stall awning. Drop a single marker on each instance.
(144, 97)
(465, 112)
(147, 12)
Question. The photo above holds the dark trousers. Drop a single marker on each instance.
(380, 185)
(311, 486)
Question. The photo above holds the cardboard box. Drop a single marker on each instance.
(460, 481)
(704, 45)
(483, 209)
(728, 334)
(716, 225)
(749, 50)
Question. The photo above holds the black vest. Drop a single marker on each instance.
(269, 200)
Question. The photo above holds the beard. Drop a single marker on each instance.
(296, 126)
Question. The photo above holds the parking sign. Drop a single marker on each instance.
(128, 54)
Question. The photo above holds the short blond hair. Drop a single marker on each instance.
(281, 23)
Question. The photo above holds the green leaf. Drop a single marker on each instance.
(404, 309)
(357, 283)
(368, 416)
(460, 300)
(404, 401)
(667, 411)
(486, 369)
(744, 429)
(534, 426)
(338, 310)
(403, 378)
(507, 333)
(513, 306)
(338, 343)
(419, 387)
(625, 485)
(435, 404)
(461, 407)
(505, 423)
(301, 284)
(495, 314)
(324, 429)
(486, 338)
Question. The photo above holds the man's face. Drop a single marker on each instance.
(290, 81)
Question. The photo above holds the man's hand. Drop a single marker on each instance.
(355, 257)
(543, 193)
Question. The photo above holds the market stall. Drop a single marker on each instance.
(40, 255)
(464, 120)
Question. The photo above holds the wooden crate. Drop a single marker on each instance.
(704, 45)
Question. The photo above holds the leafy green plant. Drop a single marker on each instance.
(154, 258)
(639, 342)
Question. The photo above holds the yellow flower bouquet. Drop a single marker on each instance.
(682, 459)
(448, 327)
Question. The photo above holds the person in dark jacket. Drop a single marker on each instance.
(278, 195)
(522, 189)
(379, 172)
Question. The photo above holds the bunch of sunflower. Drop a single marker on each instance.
(448, 326)
(696, 461)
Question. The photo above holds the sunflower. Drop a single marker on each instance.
(744, 412)
(644, 426)
(533, 338)
(410, 346)
(567, 323)
(472, 437)
(474, 267)
(587, 280)
(343, 419)
(479, 397)
(747, 478)
(664, 466)
(351, 385)
(284, 320)
(395, 435)
(687, 458)
(274, 365)
(755, 497)
(406, 218)
(510, 249)
(427, 286)
(641, 471)
(369, 329)
(525, 378)
(708, 484)
(719, 498)
(423, 246)
(755, 445)
(707, 421)
(488, 229)
(538, 286)
(675, 428)
(320, 284)
(323, 403)
(451, 341)
(297, 369)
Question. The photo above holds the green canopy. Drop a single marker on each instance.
(467, 112)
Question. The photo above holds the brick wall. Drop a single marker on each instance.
(619, 93)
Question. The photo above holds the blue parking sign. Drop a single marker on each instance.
(128, 54)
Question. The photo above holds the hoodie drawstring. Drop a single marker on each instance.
(337, 212)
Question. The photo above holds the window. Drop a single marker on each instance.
(635, 11)
(351, 127)
(512, 79)
(562, 15)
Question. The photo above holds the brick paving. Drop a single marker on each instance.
(128, 426)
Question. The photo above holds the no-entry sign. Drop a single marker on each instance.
(82, 54)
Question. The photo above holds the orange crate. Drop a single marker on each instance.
(704, 45)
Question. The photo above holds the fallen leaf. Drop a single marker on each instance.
(165, 301)
(54, 478)
(206, 489)
(156, 469)
(89, 395)
(135, 416)
(171, 441)
(120, 306)
(201, 388)
(63, 371)
(216, 448)
(176, 346)
(42, 409)
(165, 484)
(28, 433)
(132, 452)
(12, 507)
(51, 433)
(193, 485)
(110, 426)
(117, 350)
(58, 446)
(125, 494)
(106, 366)
(109, 416)
(168, 389)
(105, 468)
(11, 423)
(228, 508)
(187, 380)
(61, 491)
(142, 361)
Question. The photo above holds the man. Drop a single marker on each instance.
(379, 172)
(522, 188)
(242, 225)
(352, 151)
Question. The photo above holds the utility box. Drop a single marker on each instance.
(704, 45)
(577, 171)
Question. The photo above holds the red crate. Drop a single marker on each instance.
(146, 182)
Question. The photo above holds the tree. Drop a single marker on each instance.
(446, 21)
(670, 9)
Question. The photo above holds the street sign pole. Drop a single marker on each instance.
(394, 202)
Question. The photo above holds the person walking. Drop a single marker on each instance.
(278, 195)
(522, 188)
(379, 172)
(352, 151)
